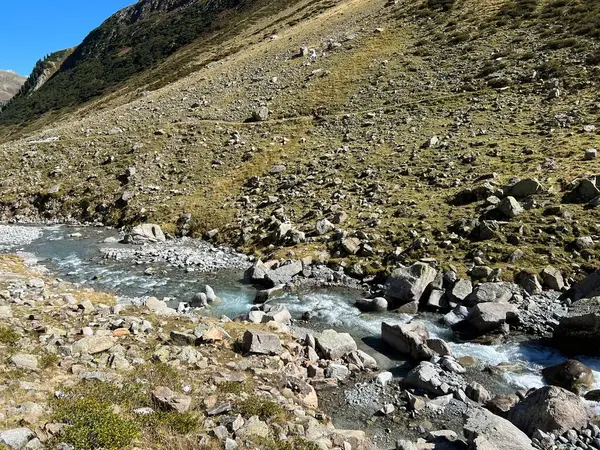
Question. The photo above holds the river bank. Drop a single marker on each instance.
(512, 363)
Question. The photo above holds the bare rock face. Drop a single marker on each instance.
(487, 431)
(571, 375)
(551, 409)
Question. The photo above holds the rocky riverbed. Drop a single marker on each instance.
(423, 357)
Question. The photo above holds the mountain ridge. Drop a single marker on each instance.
(10, 83)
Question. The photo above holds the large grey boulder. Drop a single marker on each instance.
(147, 232)
(410, 339)
(408, 284)
(551, 409)
(284, 273)
(490, 292)
(579, 332)
(486, 317)
(16, 438)
(487, 431)
(94, 344)
(261, 343)
(571, 375)
(525, 188)
(588, 287)
(509, 207)
(461, 290)
(552, 278)
(334, 345)
(25, 361)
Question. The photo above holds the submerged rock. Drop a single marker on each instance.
(571, 375)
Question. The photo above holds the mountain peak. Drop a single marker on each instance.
(10, 83)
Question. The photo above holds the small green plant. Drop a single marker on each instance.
(233, 387)
(173, 422)
(94, 425)
(8, 336)
(264, 409)
(48, 360)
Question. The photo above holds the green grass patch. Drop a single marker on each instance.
(93, 424)
(8, 336)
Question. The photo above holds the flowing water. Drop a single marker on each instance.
(73, 253)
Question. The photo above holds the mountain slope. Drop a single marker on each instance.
(131, 41)
(401, 124)
(10, 83)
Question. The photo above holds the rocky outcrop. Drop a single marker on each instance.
(571, 375)
(487, 431)
(551, 409)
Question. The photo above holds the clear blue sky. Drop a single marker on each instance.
(29, 30)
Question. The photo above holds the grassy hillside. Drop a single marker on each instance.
(403, 110)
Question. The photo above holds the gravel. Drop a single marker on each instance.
(184, 253)
(12, 236)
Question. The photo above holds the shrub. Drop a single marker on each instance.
(8, 336)
(49, 360)
(264, 409)
(94, 425)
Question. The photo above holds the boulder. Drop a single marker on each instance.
(461, 290)
(260, 114)
(584, 191)
(334, 345)
(509, 207)
(24, 361)
(378, 304)
(16, 438)
(487, 431)
(262, 343)
(167, 400)
(408, 284)
(571, 375)
(551, 409)
(502, 404)
(265, 295)
(490, 292)
(94, 344)
(324, 226)
(524, 188)
(432, 379)
(477, 393)
(411, 339)
(283, 274)
(552, 278)
(147, 232)
(257, 272)
(579, 332)
(486, 317)
(529, 282)
(588, 287)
